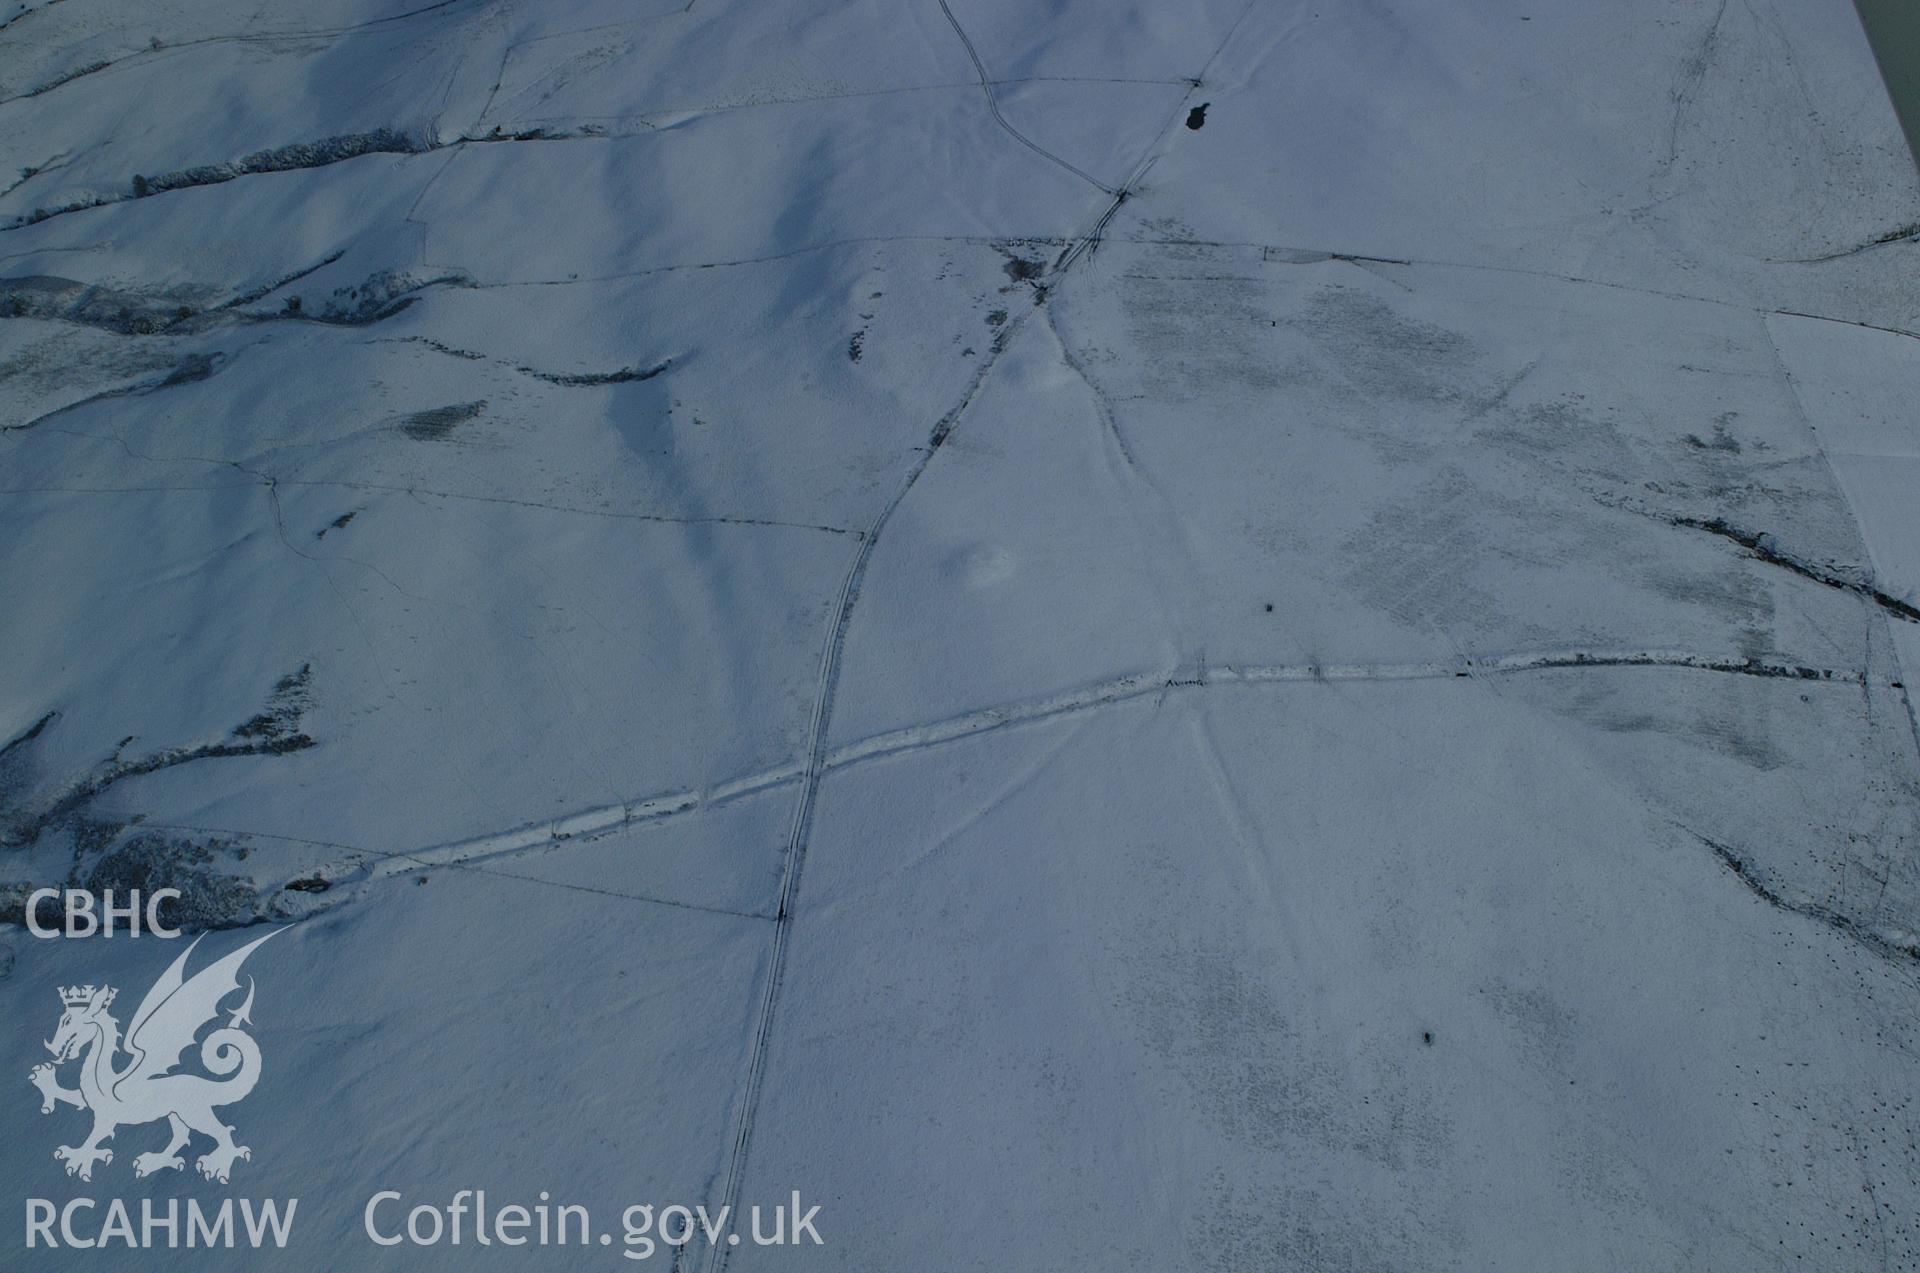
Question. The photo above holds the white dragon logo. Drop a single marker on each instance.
(145, 1090)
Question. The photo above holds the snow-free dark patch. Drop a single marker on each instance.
(280, 721)
(434, 425)
(625, 375)
(148, 863)
(1197, 117)
(128, 312)
(1021, 270)
(194, 369)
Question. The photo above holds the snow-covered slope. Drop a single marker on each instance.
(1115, 635)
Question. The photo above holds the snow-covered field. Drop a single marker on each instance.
(1101, 635)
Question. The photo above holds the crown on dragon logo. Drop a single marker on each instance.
(81, 996)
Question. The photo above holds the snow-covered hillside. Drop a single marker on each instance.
(1101, 635)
